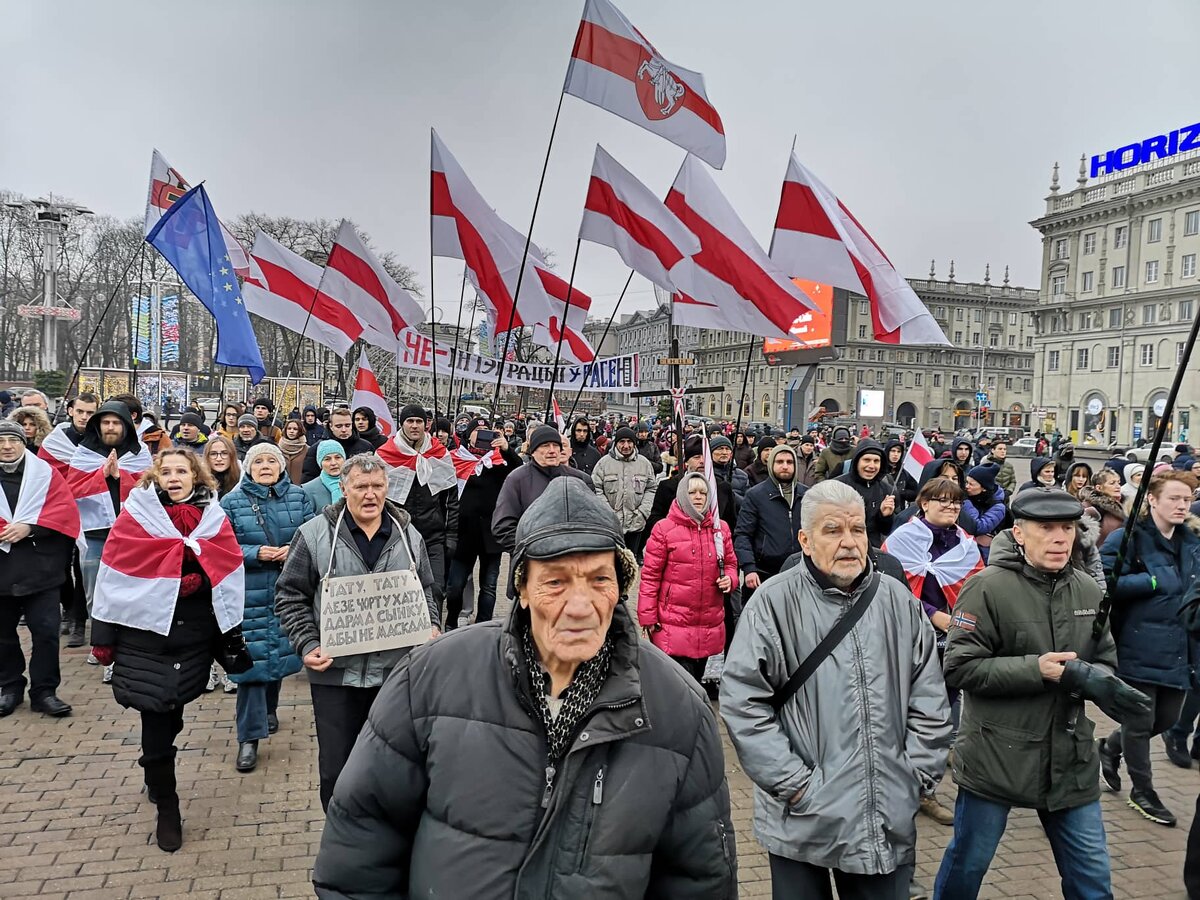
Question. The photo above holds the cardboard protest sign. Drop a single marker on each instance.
(369, 613)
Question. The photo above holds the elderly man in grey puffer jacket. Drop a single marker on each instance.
(581, 763)
(838, 772)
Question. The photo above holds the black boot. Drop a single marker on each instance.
(1110, 765)
(78, 631)
(1177, 750)
(160, 786)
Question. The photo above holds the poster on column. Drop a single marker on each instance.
(370, 613)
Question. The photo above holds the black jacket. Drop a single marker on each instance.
(372, 435)
(648, 450)
(477, 505)
(767, 530)
(351, 446)
(873, 492)
(435, 516)
(38, 563)
(639, 806)
(520, 489)
(584, 456)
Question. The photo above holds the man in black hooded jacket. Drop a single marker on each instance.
(584, 454)
(366, 426)
(866, 476)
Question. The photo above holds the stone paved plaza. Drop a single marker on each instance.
(74, 823)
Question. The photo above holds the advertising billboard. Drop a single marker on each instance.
(817, 335)
(870, 404)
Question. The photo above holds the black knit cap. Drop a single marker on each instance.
(264, 401)
(411, 411)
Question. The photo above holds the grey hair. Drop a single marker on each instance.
(827, 493)
(362, 462)
(31, 392)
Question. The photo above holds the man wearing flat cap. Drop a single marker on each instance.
(604, 769)
(1014, 650)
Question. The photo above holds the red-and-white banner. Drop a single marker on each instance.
(575, 347)
(44, 500)
(559, 421)
(622, 213)
(614, 67)
(467, 464)
(87, 482)
(817, 238)
(167, 186)
(57, 449)
(142, 563)
(430, 466)
(918, 455)
(731, 283)
(355, 278)
(283, 287)
(910, 544)
(368, 393)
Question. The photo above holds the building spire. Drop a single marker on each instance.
(951, 270)
(1006, 276)
(1082, 179)
(1054, 180)
(932, 276)
(987, 273)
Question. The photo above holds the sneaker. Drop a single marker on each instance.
(1177, 750)
(214, 679)
(1110, 766)
(1148, 804)
(230, 687)
(934, 810)
(108, 670)
(92, 661)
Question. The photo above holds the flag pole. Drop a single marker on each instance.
(603, 335)
(299, 344)
(138, 319)
(432, 316)
(462, 292)
(562, 329)
(745, 380)
(512, 313)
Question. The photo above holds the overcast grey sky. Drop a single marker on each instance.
(935, 121)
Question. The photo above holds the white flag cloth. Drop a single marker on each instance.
(614, 67)
(818, 239)
(918, 455)
(622, 213)
(85, 477)
(44, 499)
(731, 283)
(368, 393)
(283, 287)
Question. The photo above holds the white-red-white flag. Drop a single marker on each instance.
(368, 393)
(88, 484)
(818, 238)
(918, 455)
(57, 449)
(355, 278)
(575, 347)
(44, 500)
(614, 67)
(731, 283)
(284, 287)
(622, 213)
(559, 421)
(140, 568)
(467, 464)
(167, 186)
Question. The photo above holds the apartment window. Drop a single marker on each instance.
(1120, 237)
(1058, 285)
(1114, 318)
(864, 307)
(918, 379)
(1187, 268)
(1185, 309)
(995, 318)
(1118, 276)
(862, 332)
(941, 312)
(1081, 359)
(1114, 358)
(1085, 320)
(1147, 354)
(1153, 231)
(958, 314)
(1055, 325)
(841, 376)
(1061, 248)
(1191, 222)
(1151, 271)
(1089, 244)
(1179, 353)
(974, 338)
(820, 374)
(1149, 314)
(1008, 384)
(1012, 340)
(978, 316)
(880, 377)
(859, 354)
(994, 340)
(1088, 281)
(958, 337)
(1029, 342)
(953, 381)
(1025, 385)
(937, 379)
(899, 378)
(1052, 361)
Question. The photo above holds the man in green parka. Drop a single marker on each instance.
(1016, 633)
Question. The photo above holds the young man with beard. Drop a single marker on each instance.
(341, 429)
(829, 463)
(584, 454)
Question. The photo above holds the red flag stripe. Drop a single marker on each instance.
(727, 261)
(621, 56)
(284, 283)
(134, 551)
(359, 272)
(603, 200)
(799, 210)
(558, 289)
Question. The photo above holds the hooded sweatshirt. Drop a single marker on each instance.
(905, 484)
(829, 463)
(372, 435)
(584, 454)
(873, 490)
(129, 443)
(1039, 463)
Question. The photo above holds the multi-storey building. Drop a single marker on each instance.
(1118, 294)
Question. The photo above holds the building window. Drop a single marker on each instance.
(941, 312)
(958, 314)
(995, 318)
(1058, 285)
(1081, 359)
(1025, 385)
(862, 332)
(974, 338)
(1085, 320)
(1012, 340)
(918, 378)
(1089, 280)
(1187, 268)
(1151, 271)
(994, 340)
(953, 381)
(979, 315)
(1114, 318)
(880, 377)
(1179, 353)
(859, 354)
(1191, 222)
(864, 307)
(1052, 361)
(899, 379)
(1118, 276)
(1114, 358)
(1120, 237)
(1153, 231)
(937, 379)
(841, 376)
(1089, 244)
(1029, 342)
(1061, 248)
(958, 337)
(1147, 354)
(1185, 309)
(1008, 384)
(1012, 318)
(1149, 314)
(820, 374)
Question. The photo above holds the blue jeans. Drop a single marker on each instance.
(460, 574)
(1076, 838)
(89, 566)
(254, 703)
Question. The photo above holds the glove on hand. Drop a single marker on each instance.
(189, 584)
(1117, 699)
(104, 655)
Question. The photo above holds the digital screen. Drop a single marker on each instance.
(870, 404)
(812, 331)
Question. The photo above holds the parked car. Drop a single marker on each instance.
(1142, 454)
(1022, 447)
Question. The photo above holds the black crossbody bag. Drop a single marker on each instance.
(821, 652)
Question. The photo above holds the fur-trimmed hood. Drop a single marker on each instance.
(1106, 506)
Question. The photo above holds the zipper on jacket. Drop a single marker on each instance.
(598, 787)
(869, 746)
(550, 772)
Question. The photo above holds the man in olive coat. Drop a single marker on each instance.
(1013, 650)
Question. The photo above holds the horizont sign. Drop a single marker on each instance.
(1161, 146)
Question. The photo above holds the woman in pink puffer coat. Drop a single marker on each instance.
(681, 606)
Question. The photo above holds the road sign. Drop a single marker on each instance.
(980, 397)
(675, 361)
(36, 311)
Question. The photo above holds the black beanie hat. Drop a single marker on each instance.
(264, 401)
(544, 434)
(411, 411)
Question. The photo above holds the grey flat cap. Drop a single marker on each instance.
(1046, 504)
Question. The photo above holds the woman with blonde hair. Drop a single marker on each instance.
(36, 424)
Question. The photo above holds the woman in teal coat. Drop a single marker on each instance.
(265, 510)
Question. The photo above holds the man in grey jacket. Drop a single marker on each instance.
(625, 479)
(838, 772)
(362, 533)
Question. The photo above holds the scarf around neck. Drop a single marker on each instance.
(577, 698)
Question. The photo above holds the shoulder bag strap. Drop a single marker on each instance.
(828, 643)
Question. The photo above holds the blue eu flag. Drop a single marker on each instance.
(189, 238)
